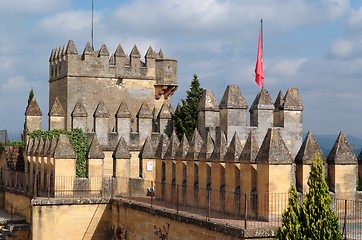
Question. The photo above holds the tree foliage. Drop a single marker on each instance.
(292, 226)
(185, 116)
(315, 219)
(31, 95)
(319, 219)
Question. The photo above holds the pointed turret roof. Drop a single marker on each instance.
(119, 51)
(88, 49)
(150, 53)
(220, 148)
(58, 53)
(273, 149)
(292, 100)
(207, 148)
(359, 158)
(135, 52)
(164, 113)
(234, 150)
(208, 102)
(183, 148)
(162, 146)
(122, 150)
(53, 145)
(57, 109)
(160, 53)
(279, 101)
(103, 51)
(172, 147)
(144, 111)
(342, 152)
(309, 150)
(147, 151)
(33, 108)
(79, 110)
(62, 53)
(35, 146)
(101, 110)
(29, 146)
(71, 49)
(250, 149)
(44, 151)
(195, 146)
(123, 111)
(40, 147)
(233, 98)
(64, 149)
(52, 55)
(262, 101)
(95, 150)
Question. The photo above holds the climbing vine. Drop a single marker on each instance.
(44, 134)
(80, 145)
(77, 139)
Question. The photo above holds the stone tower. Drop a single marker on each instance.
(94, 76)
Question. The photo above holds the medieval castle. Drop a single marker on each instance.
(123, 105)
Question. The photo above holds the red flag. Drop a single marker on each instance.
(259, 69)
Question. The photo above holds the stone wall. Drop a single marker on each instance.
(71, 219)
(134, 221)
(18, 205)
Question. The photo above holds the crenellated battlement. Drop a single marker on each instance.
(66, 61)
(136, 121)
(98, 75)
(231, 116)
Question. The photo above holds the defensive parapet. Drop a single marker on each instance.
(93, 76)
(230, 116)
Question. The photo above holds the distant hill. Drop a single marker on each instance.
(326, 143)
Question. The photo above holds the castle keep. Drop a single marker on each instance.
(81, 82)
(239, 160)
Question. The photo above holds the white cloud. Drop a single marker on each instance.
(355, 18)
(285, 67)
(212, 16)
(31, 6)
(216, 39)
(6, 63)
(342, 48)
(68, 22)
(14, 84)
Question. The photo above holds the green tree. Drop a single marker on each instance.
(31, 95)
(315, 219)
(319, 220)
(292, 225)
(185, 116)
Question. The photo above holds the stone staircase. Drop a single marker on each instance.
(13, 227)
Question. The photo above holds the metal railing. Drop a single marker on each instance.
(244, 210)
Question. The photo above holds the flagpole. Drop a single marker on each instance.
(92, 24)
(261, 30)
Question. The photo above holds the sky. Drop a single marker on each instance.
(314, 45)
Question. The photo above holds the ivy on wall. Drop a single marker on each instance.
(77, 139)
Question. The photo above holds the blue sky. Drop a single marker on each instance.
(313, 45)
